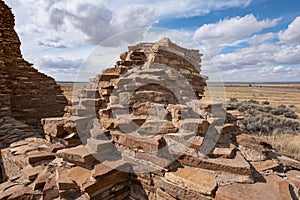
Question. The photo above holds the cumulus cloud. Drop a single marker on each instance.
(292, 34)
(262, 38)
(92, 21)
(59, 67)
(259, 55)
(278, 71)
(228, 31)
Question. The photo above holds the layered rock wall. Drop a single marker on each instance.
(26, 94)
(137, 132)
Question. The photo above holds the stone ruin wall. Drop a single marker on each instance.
(110, 147)
(92, 152)
(26, 94)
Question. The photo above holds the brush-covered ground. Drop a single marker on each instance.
(271, 110)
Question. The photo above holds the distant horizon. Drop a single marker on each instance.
(227, 82)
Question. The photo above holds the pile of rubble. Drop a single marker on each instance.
(141, 130)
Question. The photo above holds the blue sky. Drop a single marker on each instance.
(246, 40)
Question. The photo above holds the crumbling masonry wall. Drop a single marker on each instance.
(26, 94)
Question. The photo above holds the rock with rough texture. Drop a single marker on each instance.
(32, 95)
(194, 179)
(78, 155)
(237, 165)
(274, 188)
(137, 131)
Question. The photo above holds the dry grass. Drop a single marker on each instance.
(69, 87)
(276, 94)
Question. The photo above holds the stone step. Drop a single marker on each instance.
(148, 144)
(194, 179)
(236, 165)
(101, 146)
(157, 127)
(114, 70)
(78, 155)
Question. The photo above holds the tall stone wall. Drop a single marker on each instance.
(32, 95)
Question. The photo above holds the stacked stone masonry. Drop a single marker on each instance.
(26, 94)
(137, 132)
(131, 136)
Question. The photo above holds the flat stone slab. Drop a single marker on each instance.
(77, 155)
(147, 144)
(194, 179)
(229, 128)
(284, 160)
(162, 162)
(31, 173)
(223, 152)
(101, 146)
(177, 191)
(64, 182)
(157, 127)
(38, 156)
(80, 175)
(95, 187)
(274, 188)
(252, 142)
(293, 174)
(107, 168)
(236, 165)
(226, 178)
(265, 165)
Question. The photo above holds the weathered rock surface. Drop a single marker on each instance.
(137, 132)
(32, 95)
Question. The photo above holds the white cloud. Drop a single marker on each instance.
(228, 31)
(61, 24)
(247, 57)
(287, 54)
(262, 38)
(278, 68)
(59, 67)
(279, 72)
(292, 34)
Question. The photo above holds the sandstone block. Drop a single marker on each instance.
(177, 191)
(53, 127)
(78, 155)
(80, 175)
(236, 165)
(193, 179)
(50, 190)
(107, 168)
(31, 173)
(38, 156)
(148, 144)
(162, 162)
(265, 165)
(277, 189)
